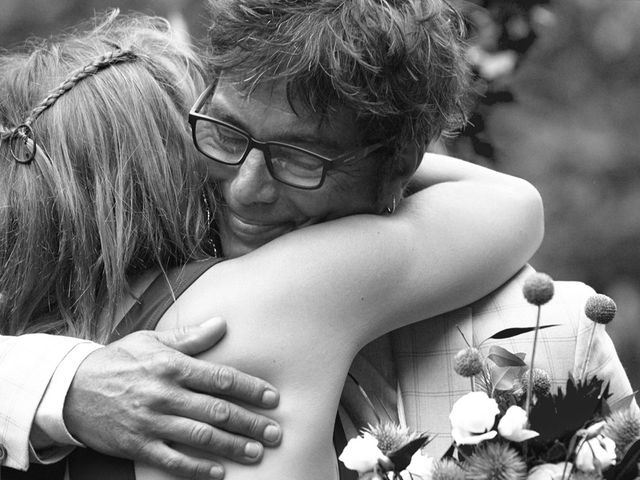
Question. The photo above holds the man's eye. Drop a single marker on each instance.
(298, 164)
(225, 139)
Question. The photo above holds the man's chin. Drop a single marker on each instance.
(236, 249)
(233, 247)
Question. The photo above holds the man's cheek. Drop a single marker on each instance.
(218, 171)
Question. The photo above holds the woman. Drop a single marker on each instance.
(101, 190)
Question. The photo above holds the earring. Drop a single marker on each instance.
(392, 208)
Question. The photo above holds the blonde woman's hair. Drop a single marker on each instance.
(116, 186)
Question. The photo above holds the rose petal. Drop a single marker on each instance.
(361, 453)
(468, 438)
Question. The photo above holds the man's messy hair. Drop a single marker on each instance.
(398, 64)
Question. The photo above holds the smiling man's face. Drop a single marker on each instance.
(256, 208)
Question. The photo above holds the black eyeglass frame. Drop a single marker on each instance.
(327, 163)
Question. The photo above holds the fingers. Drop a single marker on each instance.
(229, 417)
(170, 460)
(140, 370)
(217, 380)
(194, 339)
(209, 439)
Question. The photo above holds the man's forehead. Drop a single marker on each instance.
(270, 96)
(269, 106)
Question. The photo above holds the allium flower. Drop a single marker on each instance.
(447, 469)
(496, 461)
(361, 453)
(420, 468)
(538, 288)
(623, 427)
(541, 382)
(468, 362)
(471, 418)
(596, 454)
(390, 436)
(550, 471)
(600, 308)
(513, 425)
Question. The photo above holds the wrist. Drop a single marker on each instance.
(50, 414)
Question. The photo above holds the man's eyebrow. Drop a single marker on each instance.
(314, 143)
(310, 140)
(213, 110)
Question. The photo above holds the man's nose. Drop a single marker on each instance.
(253, 183)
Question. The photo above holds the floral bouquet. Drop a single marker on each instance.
(510, 426)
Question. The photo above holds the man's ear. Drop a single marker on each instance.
(403, 166)
(406, 162)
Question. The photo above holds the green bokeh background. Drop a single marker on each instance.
(573, 131)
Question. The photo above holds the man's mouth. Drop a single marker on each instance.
(255, 231)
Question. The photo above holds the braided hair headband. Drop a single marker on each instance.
(22, 138)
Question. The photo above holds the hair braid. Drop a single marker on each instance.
(102, 62)
(5, 132)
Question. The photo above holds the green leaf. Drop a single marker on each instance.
(401, 457)
(624, 403)
(504, 358)
(512, 332)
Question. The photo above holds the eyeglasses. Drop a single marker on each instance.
(288, 164)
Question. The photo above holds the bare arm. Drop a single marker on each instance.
(445, 247)
(301, 306)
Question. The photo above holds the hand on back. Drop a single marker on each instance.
(141, 395)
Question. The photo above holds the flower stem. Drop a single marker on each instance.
(583, 375)
(533, 356)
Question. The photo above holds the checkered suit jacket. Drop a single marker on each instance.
(423, 352)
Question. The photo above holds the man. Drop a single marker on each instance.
(379, 71)
(392, 96)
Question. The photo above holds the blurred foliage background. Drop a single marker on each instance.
(560, 103)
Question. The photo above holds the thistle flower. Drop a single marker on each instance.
(468, 362)
(600, 308)
(496, 461)
(541, 382)
(623, 427)
(447, 469)
(390, 436)
(538, 288)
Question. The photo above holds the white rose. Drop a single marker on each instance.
(420, 467)
(471, 417)
(512, 425)
(550, 471)
(361, 453)
(594, 430)
(597, 453)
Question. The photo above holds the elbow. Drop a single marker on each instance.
(530, 204)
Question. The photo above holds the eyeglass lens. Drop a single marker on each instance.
(286, 164)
